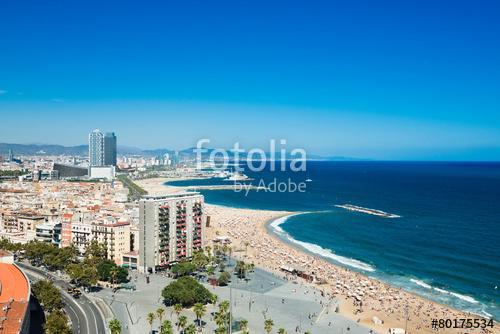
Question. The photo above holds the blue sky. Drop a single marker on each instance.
(376, 79)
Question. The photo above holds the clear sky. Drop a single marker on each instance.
(374, 79)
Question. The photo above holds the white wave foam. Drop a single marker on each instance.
(421, 283)
(277, 222)
(316, 249)
(446, 292)
(463, 297)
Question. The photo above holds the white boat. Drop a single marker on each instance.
(238, 177)
(308, 180)
(223, 174)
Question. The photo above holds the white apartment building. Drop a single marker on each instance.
(170, 229)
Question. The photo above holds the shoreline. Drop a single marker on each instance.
(250, 230)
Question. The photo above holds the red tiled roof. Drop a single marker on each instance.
(14, 298)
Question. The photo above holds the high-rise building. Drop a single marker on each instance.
(110, 149)
(170, 229)
(11, 155)
(96, 148)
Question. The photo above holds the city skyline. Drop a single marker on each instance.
(400, 81)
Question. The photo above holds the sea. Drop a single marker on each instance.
(443, 241)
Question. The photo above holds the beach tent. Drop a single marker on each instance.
(396, 331)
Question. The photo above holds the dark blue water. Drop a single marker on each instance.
(445, 246)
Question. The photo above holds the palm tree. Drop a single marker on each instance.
(178, 309)
(224, 306)
(244, 326)
(199, 310)
(191, 329)
(114, 326)
(221, 319)
(166, 328)
(113, 273)
(268, 325)
(307, 332)
(220, 330)
(282, 331)
(150, 318)
(182, 322)
(159, 313)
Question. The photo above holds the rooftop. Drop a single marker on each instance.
(14, 298)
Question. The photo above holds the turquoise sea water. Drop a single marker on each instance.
(445, 245)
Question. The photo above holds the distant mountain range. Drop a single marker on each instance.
(82, 150)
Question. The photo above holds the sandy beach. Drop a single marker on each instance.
(361, 298)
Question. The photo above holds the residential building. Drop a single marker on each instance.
(49, 232)
(170, 229)
(115, 237)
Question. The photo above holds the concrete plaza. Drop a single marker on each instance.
(291, 305)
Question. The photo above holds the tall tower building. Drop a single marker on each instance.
(110, 149)
(170, 229)
(96, 148)
(11, 155)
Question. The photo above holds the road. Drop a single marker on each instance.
(84, 315)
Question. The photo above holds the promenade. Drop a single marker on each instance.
(295, 307)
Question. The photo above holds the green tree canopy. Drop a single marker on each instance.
(224, 278)
(57, 323)
(105, 269)
(183, 268)
(48, 295)
(186, 291)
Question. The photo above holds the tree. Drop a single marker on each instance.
(159, 313)
(200, 260)
(268, 325)
(282, 331)
(178, 309)
(166, 328)
(220, 330)
(244, 326)
(57, 323)
(240, 269)
(183, 269)
(199, 310)
(191, 329)
(182, 322)
(150, 318)
(186, 291)
(48, 295)
(224, 306)
(114, 326)
(210, 271)
(106, 269)
(224, 278)
(95, 253)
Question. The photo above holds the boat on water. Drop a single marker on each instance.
(238, 177)
(369, 211)
(223, 174)
(308, 180)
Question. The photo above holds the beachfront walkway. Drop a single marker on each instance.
(295, 307)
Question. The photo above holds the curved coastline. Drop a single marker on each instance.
(273, 228)
(272, 231)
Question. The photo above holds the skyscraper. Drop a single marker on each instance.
(110, 149)
(96, 148)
